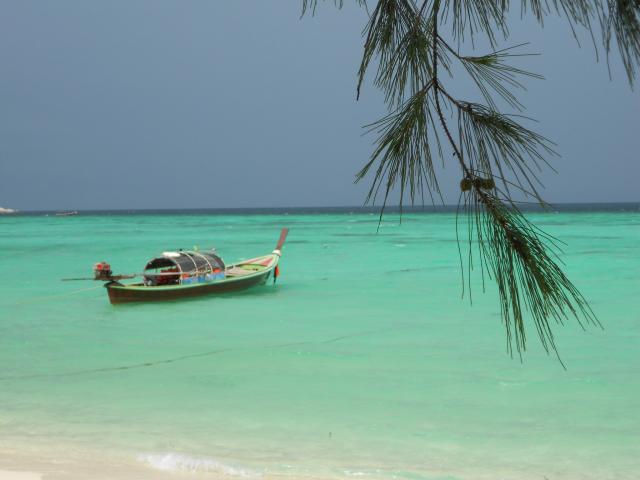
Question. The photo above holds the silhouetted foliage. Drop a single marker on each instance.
(497, 155)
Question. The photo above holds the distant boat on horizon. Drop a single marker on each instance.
(67, 214)
(7, 211)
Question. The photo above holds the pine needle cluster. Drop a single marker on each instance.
(496, 153)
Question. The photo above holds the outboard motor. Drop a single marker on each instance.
(102, 271)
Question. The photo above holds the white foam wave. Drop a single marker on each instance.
(178, 462)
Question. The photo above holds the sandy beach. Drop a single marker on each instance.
(11, 475)
(72, 464)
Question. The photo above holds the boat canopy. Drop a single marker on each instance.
(187, 262)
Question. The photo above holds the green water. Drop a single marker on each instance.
(362, 361)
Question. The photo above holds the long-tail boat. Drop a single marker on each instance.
(189, 273)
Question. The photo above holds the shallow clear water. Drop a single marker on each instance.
(362, 361)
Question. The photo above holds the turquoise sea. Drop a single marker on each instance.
(362, 361)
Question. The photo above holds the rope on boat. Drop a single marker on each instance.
(51, 297)
(195, 355)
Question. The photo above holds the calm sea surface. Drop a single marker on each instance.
(363, 361)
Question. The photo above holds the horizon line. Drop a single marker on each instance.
(526, 205)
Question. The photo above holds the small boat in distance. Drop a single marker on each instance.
(67, 214)
(7, 211)
(189, 273)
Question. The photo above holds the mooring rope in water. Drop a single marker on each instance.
(196, 355)
(52, 297)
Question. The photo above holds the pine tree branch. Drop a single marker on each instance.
(402, 39)
(511, 249)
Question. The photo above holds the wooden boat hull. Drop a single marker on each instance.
(121, 293)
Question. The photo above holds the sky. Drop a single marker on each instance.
(133, 104)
